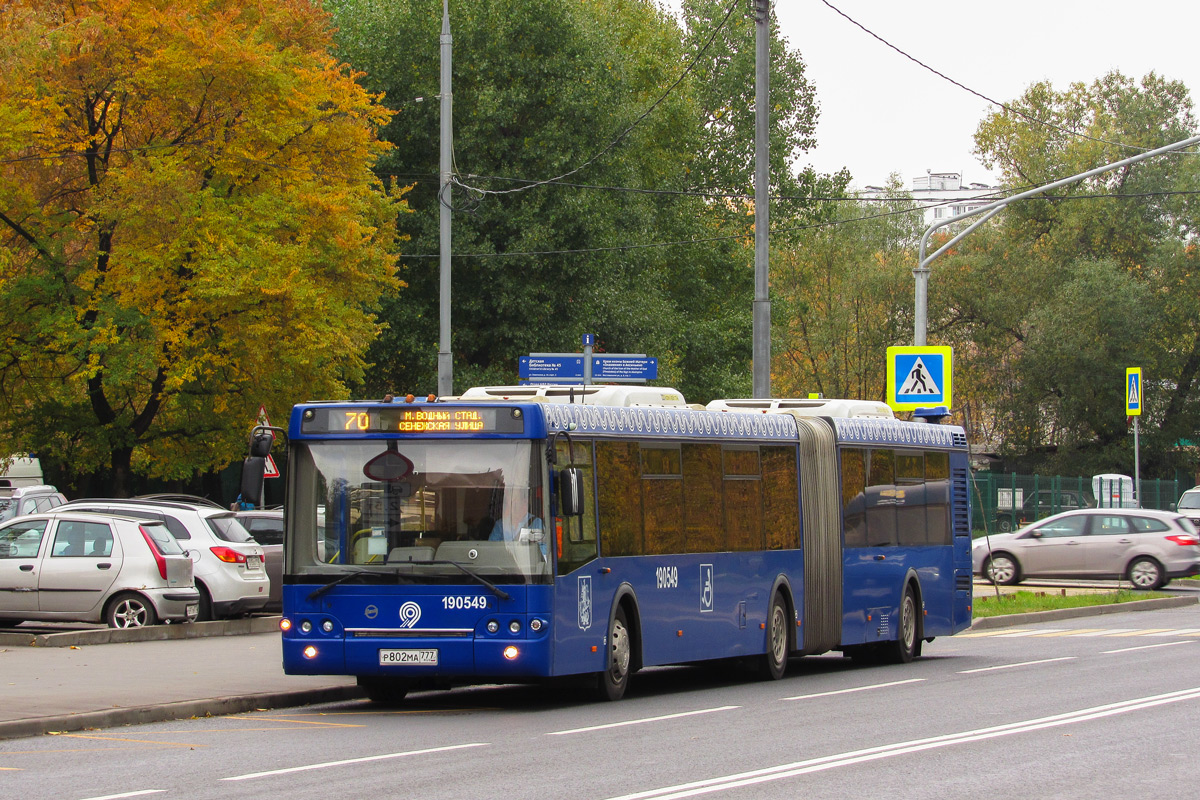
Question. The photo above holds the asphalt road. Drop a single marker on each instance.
(1078, 708)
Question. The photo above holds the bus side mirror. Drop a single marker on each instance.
(253, 470)
(260, 444)
(570, 492)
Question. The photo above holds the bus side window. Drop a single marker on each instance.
(575, 537)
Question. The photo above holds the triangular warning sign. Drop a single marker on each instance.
(271, 471)
(919, 381)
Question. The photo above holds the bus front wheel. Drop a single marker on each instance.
(615, 677)
(383, 691)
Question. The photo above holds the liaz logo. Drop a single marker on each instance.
(410, 612)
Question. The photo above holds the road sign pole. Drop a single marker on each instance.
(1137, 472)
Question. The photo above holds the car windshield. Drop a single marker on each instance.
(8, 508)
(417, 511)
(1189, 500)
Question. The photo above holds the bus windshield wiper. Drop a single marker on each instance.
(503, 595)
(358, 573)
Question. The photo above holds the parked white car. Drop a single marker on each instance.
(81, 567)
(229, 568)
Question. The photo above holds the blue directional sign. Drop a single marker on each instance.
(566, 367)
(617, 368)
(918, 377)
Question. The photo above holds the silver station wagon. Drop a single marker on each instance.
(1148, 548)
(80, 567)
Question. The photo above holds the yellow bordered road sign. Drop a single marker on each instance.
(919, 377)
(1133, 392)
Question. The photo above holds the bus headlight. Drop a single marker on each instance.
(510, 652)
(310, 652)
(285, 624)
(493, 626)
(306, 627)
(327, 626)
(514, 626)
(535, 625)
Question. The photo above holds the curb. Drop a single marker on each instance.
(151, 633)
(1009, 620)
(165, 712)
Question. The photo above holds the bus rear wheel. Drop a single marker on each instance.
(774, 661)
(907, 645)
(615, 677)
(383, 691)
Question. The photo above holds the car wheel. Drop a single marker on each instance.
(774, 661)
(205, 613)
(1002, 569)
(615, 677)
(1004, 525)
(383, 691)
(129, 610)
(1145, 573)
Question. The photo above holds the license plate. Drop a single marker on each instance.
(253, 562)
(191, 610)
(425, 658)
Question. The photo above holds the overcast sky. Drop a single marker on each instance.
(881, 113)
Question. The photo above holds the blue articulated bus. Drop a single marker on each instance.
(438, 543)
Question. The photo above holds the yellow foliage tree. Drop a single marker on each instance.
(189, 227)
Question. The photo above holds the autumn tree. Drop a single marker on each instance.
(189, 228)
(843, 295)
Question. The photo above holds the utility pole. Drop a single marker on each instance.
(445, 360)
(761, 352)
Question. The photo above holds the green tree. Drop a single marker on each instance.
(541, 90)
(1063, 293)
(190, 228)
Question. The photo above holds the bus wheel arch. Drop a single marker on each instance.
(909, 624)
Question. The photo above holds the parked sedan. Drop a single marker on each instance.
(78, 567)
(1147, 548)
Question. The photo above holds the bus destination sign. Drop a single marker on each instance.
(410, 419)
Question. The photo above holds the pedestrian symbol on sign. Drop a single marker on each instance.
(1133, 391)
(919, 381)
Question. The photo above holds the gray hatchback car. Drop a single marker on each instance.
(1148, 548)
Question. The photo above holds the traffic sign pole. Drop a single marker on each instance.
(1134, 395)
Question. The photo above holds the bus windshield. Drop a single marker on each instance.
(430, 511)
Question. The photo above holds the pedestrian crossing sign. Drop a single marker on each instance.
(1133, 392)
(918, 377)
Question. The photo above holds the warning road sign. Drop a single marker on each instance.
(271, 470)
(919, 377)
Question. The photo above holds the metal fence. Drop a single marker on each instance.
(1005, 501)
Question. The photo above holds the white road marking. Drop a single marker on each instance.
(642, 721)
(127, 794)
(1021, 664)
(1144, 647)
(855, 689)
(344, 762)
(796, 768)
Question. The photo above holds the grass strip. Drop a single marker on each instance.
(1024, 601)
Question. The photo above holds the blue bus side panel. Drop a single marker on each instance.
(692, 607)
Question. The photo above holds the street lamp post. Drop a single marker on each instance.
(921, 272)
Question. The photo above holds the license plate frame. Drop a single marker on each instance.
(408, 657)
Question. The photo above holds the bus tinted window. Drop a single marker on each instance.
(662, 500)
(742, 493)
(881, 499)
(854, 497)
(620, 502)
(780, 498)
(702, 498)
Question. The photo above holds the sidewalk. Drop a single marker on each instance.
(102, 678)
(82, 685)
